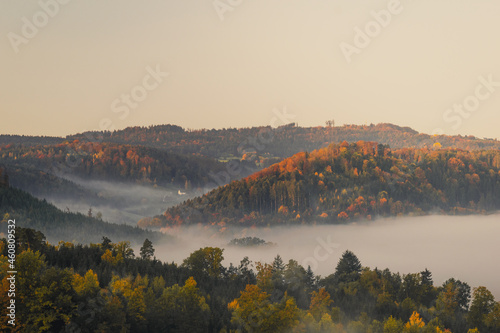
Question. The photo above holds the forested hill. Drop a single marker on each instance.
(347, 182)
(283, 141)
(30, 212)
(115, 162)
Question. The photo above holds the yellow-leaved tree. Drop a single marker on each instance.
(253, 312)
(415, 324)
(320, 304)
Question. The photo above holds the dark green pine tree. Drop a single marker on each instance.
(310, 278)
(429, 293)
(106, 243)
(426, 276)
(147, 250)
(278, 264)
(348, 269)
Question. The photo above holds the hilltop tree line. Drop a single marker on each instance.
(29, 140)
(346, 181)
(282, 141)
(104, 287)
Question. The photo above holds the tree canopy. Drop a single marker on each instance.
(103, 287)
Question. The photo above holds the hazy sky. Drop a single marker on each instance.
(231, 62)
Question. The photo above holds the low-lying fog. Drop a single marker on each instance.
(465, 248)
(123, 203)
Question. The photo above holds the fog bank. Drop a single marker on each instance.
(464, 247)
(123, 203)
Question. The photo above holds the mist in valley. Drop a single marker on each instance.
(123, 203)
(465, 247)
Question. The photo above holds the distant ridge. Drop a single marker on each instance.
(283, 141)
(29, 140)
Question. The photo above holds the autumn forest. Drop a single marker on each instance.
(95, 267)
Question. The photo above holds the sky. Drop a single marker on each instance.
(68, 66)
